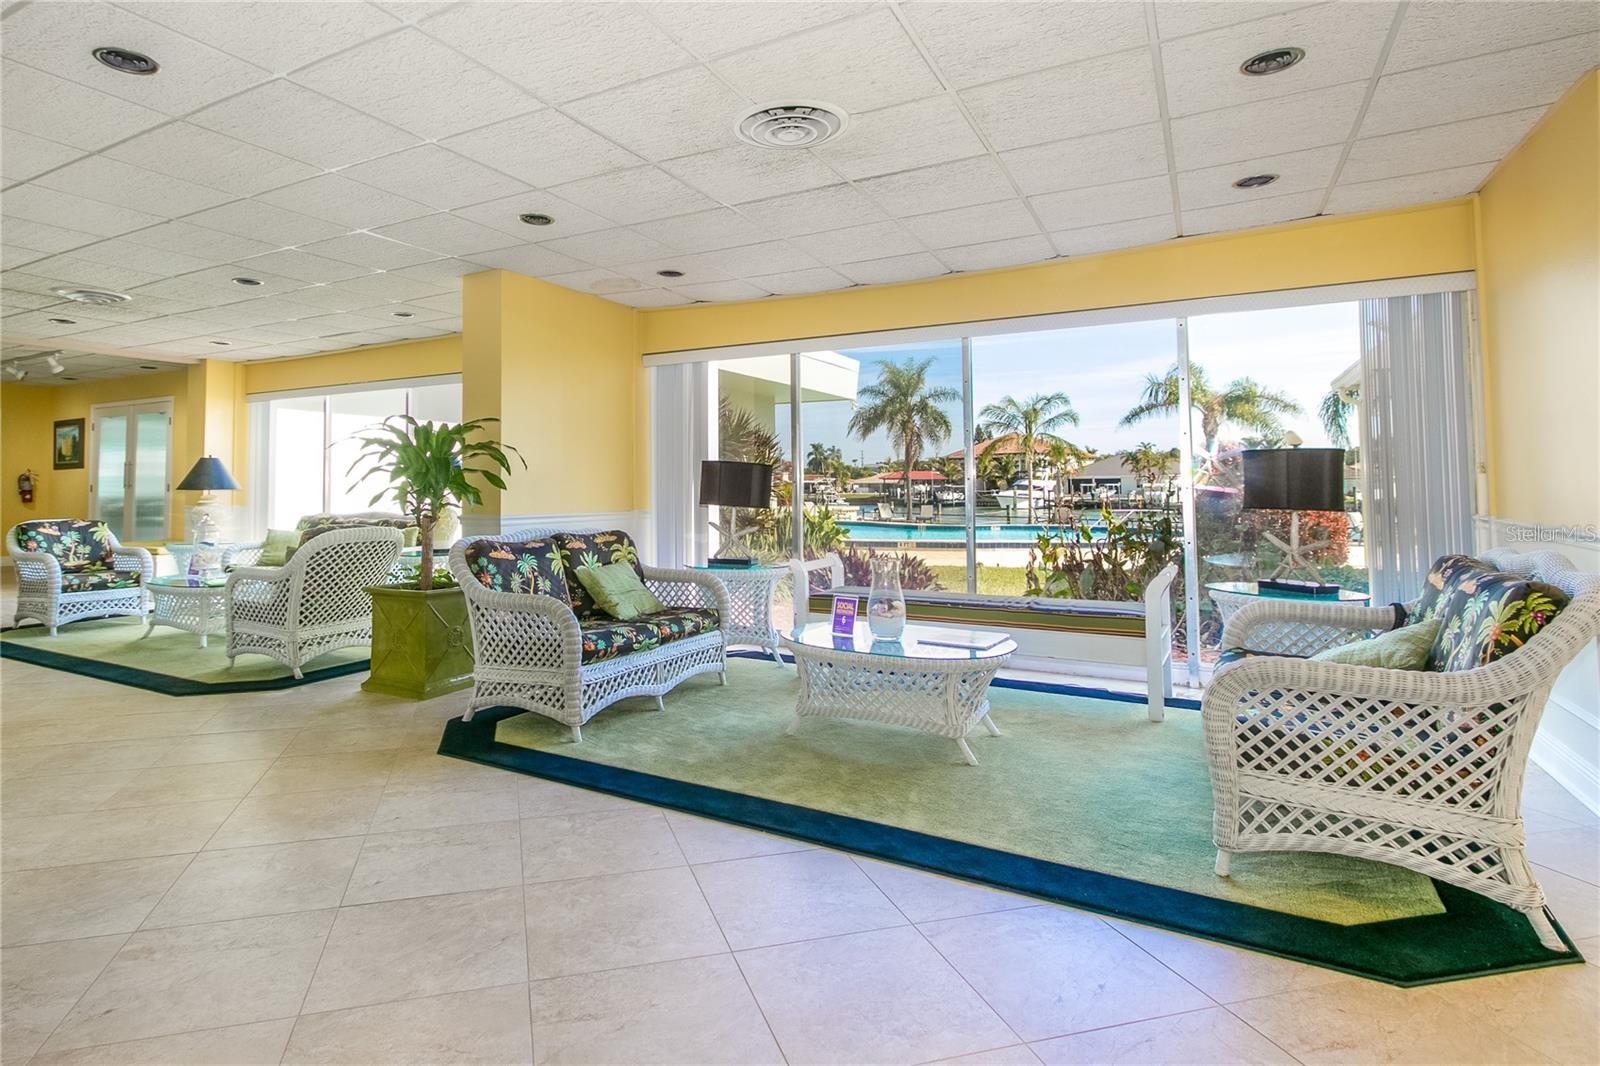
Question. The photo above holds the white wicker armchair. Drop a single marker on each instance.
(1419, 769)
(528, 647)
(248, 553)
(45, 589)
(313, 604)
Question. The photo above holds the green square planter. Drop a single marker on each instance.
(421, 642)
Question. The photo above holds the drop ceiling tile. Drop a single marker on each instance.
(447, 303)
(1088, 240)
(681, 113)
(260, 312)
(14, 300)
(719, 291)
(335, 198)
(799, 282)
(61, 37)
(875, 240)
(216, 284)
(1306, 171)
(1177, 18)
(1077, 208)
(133, 311)
(1098, 159)
(87, 274)
(1487, 85)
(266, 226)
(561, 51)
(694, 268)
(39, 324)
(192, 153)
(716, 28)
(790, 216)
(543, 148)
(770, 257)
(1309, 120)
(860, 64)
(368, 250)
(1475, 140)
(66, 211)
(420, 312)
(502, 214)
(14, 255)
(894, 269)
(27, 281)
(418, 84)
(966, 182)
(414, 332)
(387, 287)
(125, 250)
(99, 177)
(203, 345)
(293, 121)
(303, 266)
(27, 156)
(1093, 96)
(45, 237)
(281, 351)
(442, 274)
(447, 234)
(586, 280)
(1409, 190)
(994, 255)
(975, 43)
(635, 195)
(974, 225)
(1255, 213)
(902, 138)
(648, 298)
(277, 36)
(129, 335)
(531, 259)
(1435, 32)
(46, 106)
(435, 176)
(345, 323)
(705, 230)
(1342, 43)
(744, 172)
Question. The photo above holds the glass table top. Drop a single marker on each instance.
(1250, 588)
(917, 642)
(189, 582)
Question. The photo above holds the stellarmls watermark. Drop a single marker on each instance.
(1553, 534)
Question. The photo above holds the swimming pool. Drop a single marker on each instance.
(875, 534)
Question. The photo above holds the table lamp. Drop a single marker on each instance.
(1294, 479)
(735, 485)
(207, 476)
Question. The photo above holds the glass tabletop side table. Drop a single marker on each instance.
(1229, 596)
(751, 591)
(193, 604)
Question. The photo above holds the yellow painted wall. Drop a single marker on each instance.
(1427, 240)
(1539, 286)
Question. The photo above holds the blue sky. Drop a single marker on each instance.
(1102, 369)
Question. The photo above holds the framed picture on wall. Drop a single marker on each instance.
(67, 445)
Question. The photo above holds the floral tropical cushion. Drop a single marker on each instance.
(607, 638)
(594, 549)
(1490, 615)
(1447, 572)
(97, 579)
(532, 566)
(71, 541)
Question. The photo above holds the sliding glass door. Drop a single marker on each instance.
(130, 446)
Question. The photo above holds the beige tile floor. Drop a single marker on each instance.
(296, 877)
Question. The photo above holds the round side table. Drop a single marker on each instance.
(193, 604)
(750, 591)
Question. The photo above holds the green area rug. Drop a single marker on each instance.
(1083, 801)
(168, 661)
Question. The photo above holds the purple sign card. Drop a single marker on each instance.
(844, 615)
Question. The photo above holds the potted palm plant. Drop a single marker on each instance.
(421, 641)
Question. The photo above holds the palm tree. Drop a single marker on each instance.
(1334, 412)
(1031, 421)
(906, 407)
(1066, 458)
(1243, 403)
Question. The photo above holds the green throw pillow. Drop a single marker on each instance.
(617, 590)
(1405, 648)
(279, 545)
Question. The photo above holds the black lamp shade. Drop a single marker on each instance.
(1293, 479)
(208, 475)
(724, 483)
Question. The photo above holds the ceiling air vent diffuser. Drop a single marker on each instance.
(802, 124)
(92, 296)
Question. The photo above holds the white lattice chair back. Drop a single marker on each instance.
(330, 573)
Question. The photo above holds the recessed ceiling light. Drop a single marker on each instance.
(403, 314)
(101, 297)
(222, 344)
(65, 321)
(534, 218)
(148, 366)
(126, 61)
(69, 379)
(1272, 61)
(670, 273)
(247, 281)
(1255, 181)
(790, 124)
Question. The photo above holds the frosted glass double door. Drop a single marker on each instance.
(129, 483)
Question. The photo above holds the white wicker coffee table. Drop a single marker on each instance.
(193, 604)
(932, 688)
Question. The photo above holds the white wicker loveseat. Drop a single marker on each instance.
(314, 603)
(1420, 769)
(69, 569)
(540, 642)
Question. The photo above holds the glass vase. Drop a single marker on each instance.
(886, 603)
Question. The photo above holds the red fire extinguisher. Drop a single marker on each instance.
(25, 485)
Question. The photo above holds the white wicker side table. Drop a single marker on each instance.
(1229, 596)
(750, 594)
(931, 688)
(193, 604)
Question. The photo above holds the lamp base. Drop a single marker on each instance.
(201, 521)
(1296, 556)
